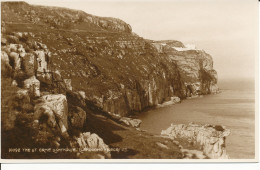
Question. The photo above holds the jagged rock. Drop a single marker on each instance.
(41, 61)
(192, 63)
(82, 94)
(88, 142)
(29, 64)
(33, 85)
(16, 60)
(68, 83)
(56, 103)
(131, 122)
(75, 99)
(77, 117)
(175, 99)
(57, 75)
(211, 138)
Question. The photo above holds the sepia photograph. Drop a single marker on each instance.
(128, 80)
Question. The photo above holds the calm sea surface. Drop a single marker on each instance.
(234, 108)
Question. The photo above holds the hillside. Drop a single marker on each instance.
(62, 69)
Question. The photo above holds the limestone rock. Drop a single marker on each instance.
(57, 75)
(41, 61)
(68, 83)
(175, 99)
(57, 103)
(77, 117)
(82, 94)
(211, 138)
(88, 142)
(29, 64)
(33, 85)
(131, 122)
(16, 60)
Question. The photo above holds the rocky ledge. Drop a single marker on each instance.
(211, 139)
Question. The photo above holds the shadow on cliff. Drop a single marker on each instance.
(111, 132)
(104, 127)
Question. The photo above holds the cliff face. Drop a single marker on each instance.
(116, 70)
(195, 66)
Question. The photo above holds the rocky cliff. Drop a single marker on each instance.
(195, 66)
(208, 138)
(92, 62)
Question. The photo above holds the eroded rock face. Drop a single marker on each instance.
(196, 66)
(56, 108)
(211, 138)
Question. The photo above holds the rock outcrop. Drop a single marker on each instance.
(55, 107)
(33, 85)
(91, 143)
(196, 66)
(131, 122)
(210, 138)
(77, 117)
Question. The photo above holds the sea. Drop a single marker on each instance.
(234, 108)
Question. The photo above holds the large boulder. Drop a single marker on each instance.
(29, 64)
(16, 60)
(54, 104)
(210, 138)
(131, 122)
(33, 85)
(77, 117)
(91, 143)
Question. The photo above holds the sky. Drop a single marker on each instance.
(226, 29)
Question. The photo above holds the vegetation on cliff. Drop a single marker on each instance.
(65, 72)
